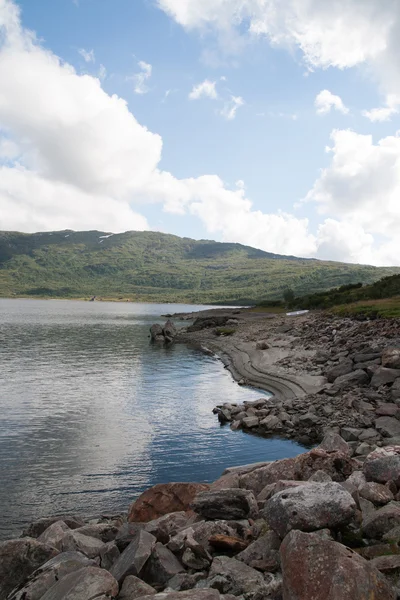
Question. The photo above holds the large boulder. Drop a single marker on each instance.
(48, 574)
(156, 333)
(310, 507)
(85, 584)
(256, 479)
(384, 376)
(381, 521)
(343, 368)
(169, 330)
(338, 465)
(357, 377)
(391, 358)
(319, 569)
(164, 498)
(383, 465)
(226, 504)
(19, 559)
(134, 557)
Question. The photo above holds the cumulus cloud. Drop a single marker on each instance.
(87, 55)
(206, 89)
(384, 113)
(140, 79)
(231, 107)
(325, 101)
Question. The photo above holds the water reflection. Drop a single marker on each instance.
(92, 414)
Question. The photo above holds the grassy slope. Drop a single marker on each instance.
(151, 266)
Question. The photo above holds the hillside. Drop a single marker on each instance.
(151, 266)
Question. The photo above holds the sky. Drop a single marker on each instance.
(273, 123)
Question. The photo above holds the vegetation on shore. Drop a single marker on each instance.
(157, 267)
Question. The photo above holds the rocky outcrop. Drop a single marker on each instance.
(165, 334)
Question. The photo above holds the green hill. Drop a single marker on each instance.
(151, 266)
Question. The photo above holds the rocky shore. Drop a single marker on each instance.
(321, 526)
(326, 374)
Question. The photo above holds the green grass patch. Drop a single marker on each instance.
(387, 308)
(223, 331)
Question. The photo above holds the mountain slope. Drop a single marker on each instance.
(151, 266)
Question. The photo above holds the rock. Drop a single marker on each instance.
(134, 557)
(376, 493)
(226, 504)
(388, 426)
(163, 499)
(48, 575)
(366, 357)
(38, 527)
(109, 555)
(235, 577)
(201, 533)
(309, 420)
(185, 582)
(382, 521)
(358, 377)
(391, 358)
(388, 410)
(336, 464)
(19, 559)
(106, 532)
(156, 333)
(126, 533)
(262, 345)
(368, 434)
(169, 330)
(309, 507)
(350, 434)
(320, 477)
(395, 390)
(392, 536)
(161, 566)
(227, 543)
(364, 449)
(256, 479)
(89, 546)
(383, 465)
(332, 442)
(263, 554)
(133, 588)
(318, 569)
(167, 525)
(343, 368)
(271, 422)
(384, 376)
(250, 422)
(195, 562)
(194, 594)
(54, 535)
(85, 584)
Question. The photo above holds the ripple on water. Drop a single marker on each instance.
(92, 413)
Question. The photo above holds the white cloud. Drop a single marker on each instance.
(231, 107)
(102, 73)
(206, 89)
(325, 101)
(87, 55)
(141, 79)
(384, 113)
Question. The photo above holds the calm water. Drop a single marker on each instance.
(92, 413)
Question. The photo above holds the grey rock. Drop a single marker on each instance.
(109, 555)
(271, 422)
(343, 368)
(193, 561)
(134, 557)
(310, 507)
(364, 449)
(156, 333)
(333, 442)
(169, 330)
(19, 559)
(309, 420)
(127, 533)
(85, 584)
(375, 492)
(320, 477)
(366, 507)
(368, 434)
(384, 376)
(184, 581)
(391, 358)
(201, 533)
(38, 527)
(161, 566)
(167, 525)
(350, 434)
(106, 532)
(54, 535)
(361, 357)
(357, 377)
(133, 588)
(195, 594)
(74, 541)
(383, 465)
(395, 390)
(389, 409)
(388, 426)
(48, 575)
(256, 479)
(263, 554)
(236, 577)
(382, 521)
(226, 504)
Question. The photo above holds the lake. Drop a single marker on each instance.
(92, 413)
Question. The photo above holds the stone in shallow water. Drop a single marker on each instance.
(320, 569)
(309, 507)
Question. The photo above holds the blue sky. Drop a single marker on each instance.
(73, 167)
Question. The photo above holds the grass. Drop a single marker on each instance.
(384, 308)
(223, 331)
(155, 267)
